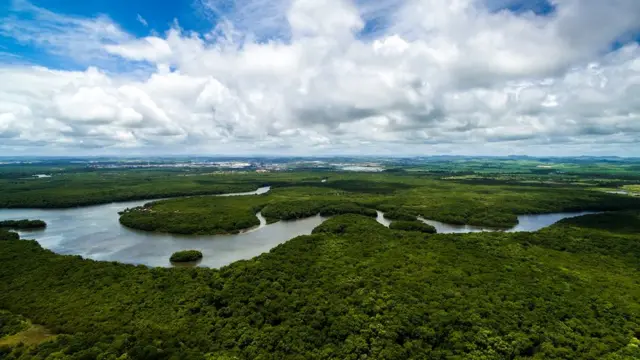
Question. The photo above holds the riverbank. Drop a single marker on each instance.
(418, 294)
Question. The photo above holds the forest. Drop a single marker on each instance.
(412, 226)
(186, 256)
(352, 289)
(495, 206)
(196, 215)
(23, 224)
(8, 235)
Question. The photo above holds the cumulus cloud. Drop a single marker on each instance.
(430, 76)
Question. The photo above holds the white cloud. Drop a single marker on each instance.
(250, 18)
(332, 19)
(440, 76)
(77, 38)
(142, 20)
(151, 48)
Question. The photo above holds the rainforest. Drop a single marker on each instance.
(351, 287)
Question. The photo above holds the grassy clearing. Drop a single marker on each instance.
(33, 335)
(632, 188)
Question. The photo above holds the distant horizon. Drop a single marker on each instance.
(310, 156)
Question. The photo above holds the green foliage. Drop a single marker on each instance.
(399, 214)
(71, 189)
(289, 210)
(434, 196)
(186, 256)
(621, 222)
(89, 189)
(349, 223)
(498, 205)
(347, 208)
(23, 224)
(364, 185)
(352, 290)
(611, 234)
(482, 205)
(412, 226)
(196, 215)
(11, 323)
(217, 215)
(8, 235)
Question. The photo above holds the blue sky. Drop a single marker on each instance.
(539, 7)
(141, 18)
(320, 77)
(159, 17)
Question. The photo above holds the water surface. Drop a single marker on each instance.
(94, 232)
(381, 219)
(525, 223)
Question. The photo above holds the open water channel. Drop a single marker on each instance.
(94, 232)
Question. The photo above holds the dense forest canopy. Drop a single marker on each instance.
(402, 198)
(412, 226)
(11, 324)
(196, 215)
(5, 235)
(351, 290)
(23, 224)
(186, 256)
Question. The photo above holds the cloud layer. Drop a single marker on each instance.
(332, 76)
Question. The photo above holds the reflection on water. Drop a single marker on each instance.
(443, 228)
(537, 222)
(186, 264)
(94, 232)
(525, 223)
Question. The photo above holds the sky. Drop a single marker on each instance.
(320, 77)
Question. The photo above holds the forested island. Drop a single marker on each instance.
(402, 198)
(353, 288)
(23, 224)
(186, 256)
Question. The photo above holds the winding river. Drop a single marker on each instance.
(525, 223)
(94, 232)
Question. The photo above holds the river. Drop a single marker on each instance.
(525, 223)
(94, 232)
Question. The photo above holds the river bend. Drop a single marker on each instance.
(94, 232)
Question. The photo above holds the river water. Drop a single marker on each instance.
(94, 232)
(525, 223)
